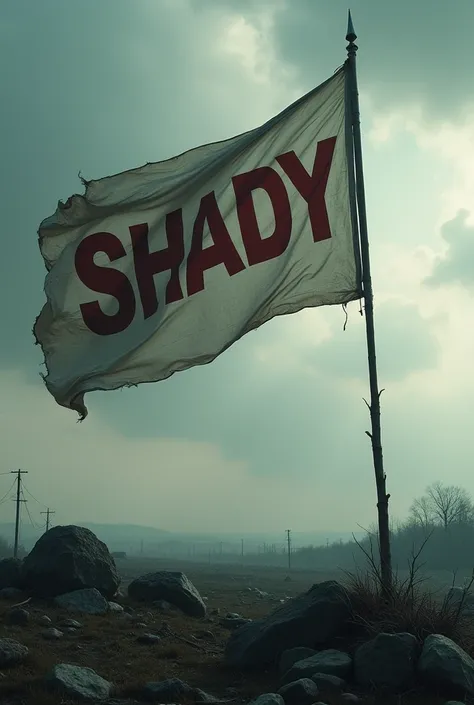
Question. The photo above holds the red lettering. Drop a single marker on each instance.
(221, 252)
(312, 188)
(104, 280)
(260, 249)
(147, 263)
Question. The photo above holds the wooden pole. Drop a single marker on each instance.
(375, 434)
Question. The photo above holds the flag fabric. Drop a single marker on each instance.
(163, 267)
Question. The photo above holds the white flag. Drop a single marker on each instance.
(163, 267)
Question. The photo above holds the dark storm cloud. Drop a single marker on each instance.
(408, 51)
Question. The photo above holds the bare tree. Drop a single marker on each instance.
(442, 504)
(421, 512)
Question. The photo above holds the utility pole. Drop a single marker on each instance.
(18, 500)
(48, 513)
(288, 539)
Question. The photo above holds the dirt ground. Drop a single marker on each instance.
(189, 649)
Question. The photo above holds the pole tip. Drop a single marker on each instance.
(351, 36)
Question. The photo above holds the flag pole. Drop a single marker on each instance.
(374, 407)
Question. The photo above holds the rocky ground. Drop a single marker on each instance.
(116, 647)
(216, 634)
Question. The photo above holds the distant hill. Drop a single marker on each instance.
(136, 539)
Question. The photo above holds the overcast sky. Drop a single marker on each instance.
(271, 435)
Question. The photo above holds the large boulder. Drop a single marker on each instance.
(174, 587)
(330, 662)
(444, 664)
(310, 619)
(11, 573)
(68, 558)
(387, 660)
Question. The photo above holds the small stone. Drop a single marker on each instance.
(71, 623)
(350, 698)
(88, 601)
(304, 691)
(268, 699)
(115, 607)
(205, 634)
(141, 624)
(71, 630)
(231, 622)
(17, 616)
(148, 639)
(330, 661)
(167, 691)
(52, 634)
(327, 683)
(79, 682)
(44, 620)
(12, 653)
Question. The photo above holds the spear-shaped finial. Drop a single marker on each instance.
(351, 36)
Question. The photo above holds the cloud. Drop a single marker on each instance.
(456, 266)
(405, 345)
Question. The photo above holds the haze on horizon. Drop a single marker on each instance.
(271, 435)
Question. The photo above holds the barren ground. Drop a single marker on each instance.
(192, 651)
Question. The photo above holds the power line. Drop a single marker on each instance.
(33, 497)
(35, 526)
(5, 496)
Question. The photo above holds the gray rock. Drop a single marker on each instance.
(11, 593)
(310, 619)
(268, 699)
(233, 622)
(87, 601)
(444, 664)
(174, 587)
(200, 696)
(11, 573)
(168, 691)
(79, 682)
(148, 639)
(17, 616)
(329, 661)
(328, 684)
(70, 624)
(387, 660)
(52, 634)
(291, 656)
(115, 607)
(12, 653)
(301, 692)
(44, 620)
(350, 698)
(68, 558)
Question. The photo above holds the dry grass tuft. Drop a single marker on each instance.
(411, 607)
